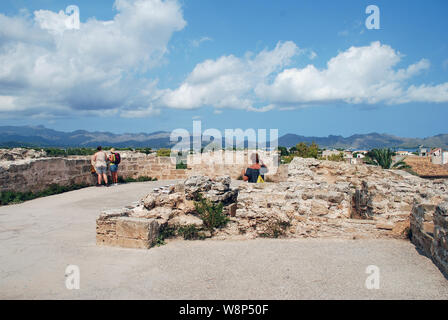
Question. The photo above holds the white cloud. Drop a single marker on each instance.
(49, 68)
(357, 75)
(228, 82)
(196, 43)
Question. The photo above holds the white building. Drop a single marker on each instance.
(438, 156)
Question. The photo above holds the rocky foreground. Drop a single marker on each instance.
(320, 199)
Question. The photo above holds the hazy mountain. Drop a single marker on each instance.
(11, 136)
(40, 136)
(366, 141)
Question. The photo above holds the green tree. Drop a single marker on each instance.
(305, 151)
(384, 158)
(283, 151)
(313, 150)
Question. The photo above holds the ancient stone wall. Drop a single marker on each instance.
(429, 232)
(36, 174)
(377, 194)
(232, 163)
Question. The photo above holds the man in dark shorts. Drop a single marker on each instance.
(256, 170)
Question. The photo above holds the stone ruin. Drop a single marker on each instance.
(138, 226)
(21, 154)
(320, 199)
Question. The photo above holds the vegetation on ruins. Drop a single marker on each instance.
(190, 232)
(275, 229)
(181, 166)
(211, 213)
(139, 179)
(187, 232)
(164, 152)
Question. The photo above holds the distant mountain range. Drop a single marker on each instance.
(39, 136)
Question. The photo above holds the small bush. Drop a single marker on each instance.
(275, 229)
(190, 232)
(164, 153)
(139, 179)
(12, 197)
(211, 214)
(181, 166)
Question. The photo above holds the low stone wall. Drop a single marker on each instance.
(232, 163)
(36, 174)
(429, 232)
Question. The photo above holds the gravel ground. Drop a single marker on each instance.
(40, 238)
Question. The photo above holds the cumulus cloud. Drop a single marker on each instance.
(357, 75)
(46, 65)
(228, 82)
(366, 75)
(103, 68)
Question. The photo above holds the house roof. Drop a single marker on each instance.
(425, 168)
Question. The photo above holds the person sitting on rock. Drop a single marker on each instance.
(255, 173)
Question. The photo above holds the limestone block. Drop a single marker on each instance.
(136, 228)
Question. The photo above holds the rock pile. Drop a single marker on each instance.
(175, 204)
(21, 154)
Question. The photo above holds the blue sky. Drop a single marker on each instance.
(169, 62)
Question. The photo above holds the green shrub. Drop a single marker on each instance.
(181, 166)
(211, 213)
(139, 179)
(275, 229)
(190, 232)
(164, 153)
(12, 197)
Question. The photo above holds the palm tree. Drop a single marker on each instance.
(401, 165)
(383, 158)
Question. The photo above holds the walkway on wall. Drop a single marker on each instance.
(40, 238)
